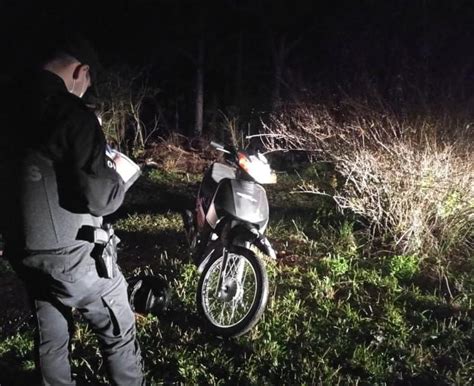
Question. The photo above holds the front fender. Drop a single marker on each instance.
(241, 234)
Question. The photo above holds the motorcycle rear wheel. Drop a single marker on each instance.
(237, 306)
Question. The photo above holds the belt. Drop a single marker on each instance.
(94, 234)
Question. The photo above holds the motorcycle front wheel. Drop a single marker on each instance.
(232, 308)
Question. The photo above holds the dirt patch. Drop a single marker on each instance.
(180, 154)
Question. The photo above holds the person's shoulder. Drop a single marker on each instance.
(77, 108)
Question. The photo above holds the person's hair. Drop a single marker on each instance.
(70, 49)
(61, 57)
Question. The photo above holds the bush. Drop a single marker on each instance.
(122, 94)
(410, 178)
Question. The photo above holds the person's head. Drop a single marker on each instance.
(75, 61)
(75, 74)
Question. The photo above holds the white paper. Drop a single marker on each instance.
(124, 166)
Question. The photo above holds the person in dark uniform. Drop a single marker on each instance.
(57, 184)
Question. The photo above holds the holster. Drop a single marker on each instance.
(105, 249)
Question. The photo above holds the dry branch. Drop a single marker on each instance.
(411, 179)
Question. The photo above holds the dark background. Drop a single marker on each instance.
(415, 50)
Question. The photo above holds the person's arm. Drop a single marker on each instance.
(100, 187)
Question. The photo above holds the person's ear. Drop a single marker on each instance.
(80, 68)
(85, 68)
(76, 71)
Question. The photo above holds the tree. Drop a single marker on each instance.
(199, 104)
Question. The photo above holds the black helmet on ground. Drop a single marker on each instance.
(148, 295)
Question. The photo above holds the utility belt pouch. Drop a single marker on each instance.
(105, 251)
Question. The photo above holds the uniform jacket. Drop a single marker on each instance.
(57, 178)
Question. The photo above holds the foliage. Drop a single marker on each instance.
(4, 266)
(411, 179)
(231, 126)
(123, 94)
(404, 267)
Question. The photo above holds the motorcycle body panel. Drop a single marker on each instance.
(215, 174)
(243, 200)
(221, 194)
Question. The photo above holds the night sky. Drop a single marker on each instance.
(323, 45)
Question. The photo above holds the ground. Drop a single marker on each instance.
(338, 313)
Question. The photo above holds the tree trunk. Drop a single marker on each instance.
(279, 55)
(199, 90)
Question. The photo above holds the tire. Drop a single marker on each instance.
(236, 310)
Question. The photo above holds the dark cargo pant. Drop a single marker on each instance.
(104, 304)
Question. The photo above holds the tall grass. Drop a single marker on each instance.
(410, 177)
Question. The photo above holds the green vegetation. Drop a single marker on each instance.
(337, 314)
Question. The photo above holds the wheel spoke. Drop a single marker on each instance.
(221, 316)
(233, 310)
(228, 307)
(231, 267)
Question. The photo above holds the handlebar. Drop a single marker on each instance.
(216, 145)
(220, 147)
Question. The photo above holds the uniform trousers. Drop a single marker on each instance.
(104, 305)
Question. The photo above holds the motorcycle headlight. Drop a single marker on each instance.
(258, 168)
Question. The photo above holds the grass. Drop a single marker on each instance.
(335, 316)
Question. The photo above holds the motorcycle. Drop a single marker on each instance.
(229, 222)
